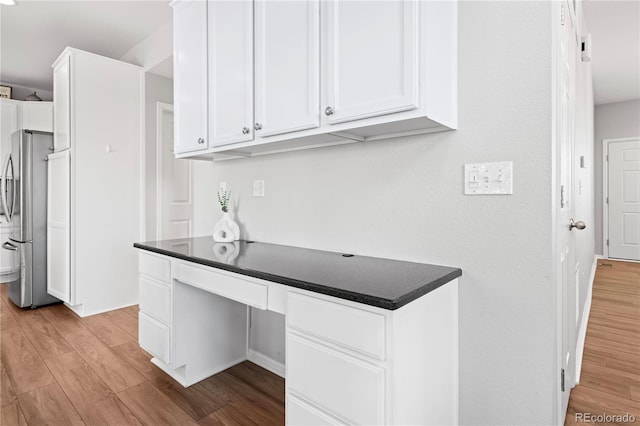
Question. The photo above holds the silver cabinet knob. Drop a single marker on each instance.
(257, 126)
(245, 130)
(578, 225)
(328, 111)
(200, 141)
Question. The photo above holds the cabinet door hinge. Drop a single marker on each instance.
(562, 14)
(607, 243)
(562, 380)
(607, 200)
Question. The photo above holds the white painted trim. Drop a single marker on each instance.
(605, 192)
(557, 416)
(266, 362)
(582, 332)
(161, 107)
(142, 160)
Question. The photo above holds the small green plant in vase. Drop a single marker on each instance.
(223, 199)
(226, 229)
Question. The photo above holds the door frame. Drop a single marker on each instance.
(161, 108)
(605, 189)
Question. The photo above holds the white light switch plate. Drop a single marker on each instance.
(488, 178)
(258, 188)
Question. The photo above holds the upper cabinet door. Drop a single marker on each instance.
(370, 58)
(62, 104)
(230, 72)
(190, 75)
(287, 69)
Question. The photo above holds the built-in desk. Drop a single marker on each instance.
(368, 340)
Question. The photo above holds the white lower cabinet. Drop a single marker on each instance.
(346, 362)
(154, 337)
(344, 385)
(349, 363)
(154, 321)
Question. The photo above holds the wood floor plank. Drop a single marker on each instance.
(263, 409)
(11, 415)
(90, 396)
(7, 319)
(22, 363)
(48, 406)
(228, 416)
(152, 407)
(106, 330)
(269, 383)
(610, 379)
(44, 337)
(195, 400)
(111, 368)
(125, 321)
(62, 318)
(7, 394)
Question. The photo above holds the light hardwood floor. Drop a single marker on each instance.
(610, 379)
(59, 369)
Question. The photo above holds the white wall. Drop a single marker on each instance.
(403, 199)
(157, 89)
(612, 121)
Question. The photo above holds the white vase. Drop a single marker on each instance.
(226, 230)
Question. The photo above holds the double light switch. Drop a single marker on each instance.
(488, 178)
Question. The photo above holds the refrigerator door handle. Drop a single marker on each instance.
(3, 187)
(8, 213)
(9, 246)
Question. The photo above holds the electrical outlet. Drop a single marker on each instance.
(258, 188)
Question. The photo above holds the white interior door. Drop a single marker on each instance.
(564, 207)
(174, 184)
(624, 199)
(59, 226)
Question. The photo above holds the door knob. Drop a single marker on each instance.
(579, 224)
(245, 130)
(328, 111)
(257, 126)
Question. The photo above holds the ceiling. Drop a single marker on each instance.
(33, 33)
(615, 35)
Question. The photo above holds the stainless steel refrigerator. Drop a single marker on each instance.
(24, 199)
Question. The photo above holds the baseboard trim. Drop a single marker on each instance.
(266, 362)
(582, 332)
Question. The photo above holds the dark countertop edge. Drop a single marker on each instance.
(365, 299)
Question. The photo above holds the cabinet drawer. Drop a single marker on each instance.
(226, 284)
(155, 266)
(354, 328)
(300, 413)
(155, 299)
(154, 337)
(342, 385)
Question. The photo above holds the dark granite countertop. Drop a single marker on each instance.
(384, 283)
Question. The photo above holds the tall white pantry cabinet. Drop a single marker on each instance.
(94, 195)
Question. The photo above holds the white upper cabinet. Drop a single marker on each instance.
(61, 104)
(325, 73)
(287, 68)
(370, 57)
(37, 116)
(190, 75)
(230, 54)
